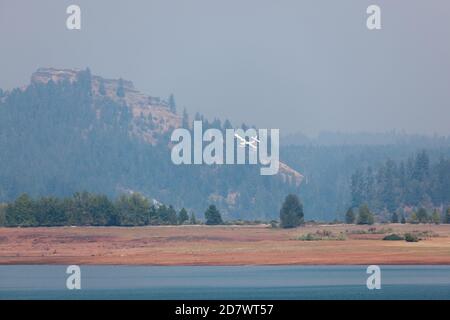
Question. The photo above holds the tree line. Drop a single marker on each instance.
(404, 187)
(88, 209)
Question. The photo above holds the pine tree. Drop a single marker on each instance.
(172, 104)
(357, 188)
(422, 215)
(182, 216)
(185, 120)
(413, 218)
(101, 87)
(403, 220)
(436, 218)
(21, 212)
(212, 216)
(422, 166)
(291, 213)
(134, 210)
(388, 186)
(447, 216)
(192, 219)
(172, 215)
(364, 215)
(227, 125)
(120, 89)
(350, 216)
(394, 218)
(2, 214)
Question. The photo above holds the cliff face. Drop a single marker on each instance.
(151, 115)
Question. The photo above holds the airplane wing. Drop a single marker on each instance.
(255, 139)
(239, 137)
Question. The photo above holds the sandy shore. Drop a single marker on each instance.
(224, 245)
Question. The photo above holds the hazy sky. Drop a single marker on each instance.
(296, 65)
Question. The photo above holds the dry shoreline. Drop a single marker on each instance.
(221, 245)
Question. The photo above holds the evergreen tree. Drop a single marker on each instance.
(192, 219)
(212, 216)
(182, 216)
(50, 212)
(422, 215)
(80, 210)
(166, 215)
(185, 120)
(350, 216)
(364, 215)
(227, 125)
(447, 216)
(436, 218)
(403, 220)
(2, 215)
(101, 88)
(133, 210)
(389, 187)
(394, 218)
(21, 213)
(422, 166)
(357, 188)
(102, 210)
(172, 104)
(291, 213)
(120, 89)
(172, 216)
(413, 218)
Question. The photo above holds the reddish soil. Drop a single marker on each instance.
(221, 245)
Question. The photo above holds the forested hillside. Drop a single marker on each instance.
(69, 131)
(394, 186)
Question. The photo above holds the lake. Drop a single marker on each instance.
(224, 282)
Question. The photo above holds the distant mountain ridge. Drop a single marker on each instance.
(366, 138)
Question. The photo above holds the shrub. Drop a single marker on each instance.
(411, 237)
(322, 235)
(393, 237)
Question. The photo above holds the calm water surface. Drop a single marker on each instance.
(240, 282)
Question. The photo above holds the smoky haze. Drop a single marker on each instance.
(306, 66)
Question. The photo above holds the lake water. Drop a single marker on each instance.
(213, 282)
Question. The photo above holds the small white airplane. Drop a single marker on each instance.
(252, 142)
